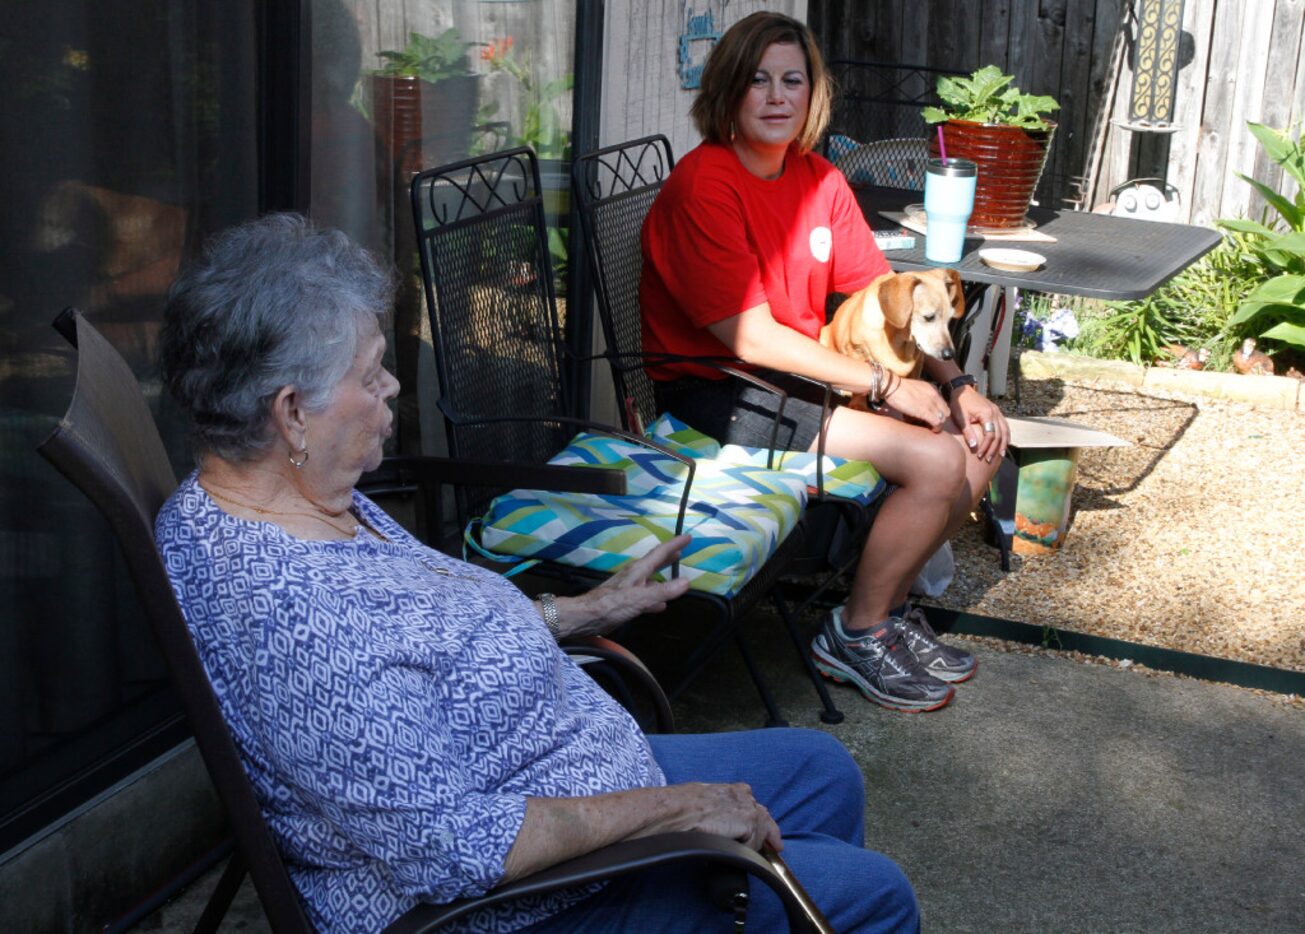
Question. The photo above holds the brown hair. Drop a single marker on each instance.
(732, 64)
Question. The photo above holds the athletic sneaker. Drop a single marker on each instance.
(944, 662)
(880, 665)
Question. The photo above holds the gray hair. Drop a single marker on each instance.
(270, 303)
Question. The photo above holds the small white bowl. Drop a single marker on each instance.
(1012, 260)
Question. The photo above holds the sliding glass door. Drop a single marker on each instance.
(130, 131)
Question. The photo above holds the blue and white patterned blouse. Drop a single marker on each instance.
(392, 706)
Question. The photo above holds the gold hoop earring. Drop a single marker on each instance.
(298, 464)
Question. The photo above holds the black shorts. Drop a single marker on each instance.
(734, 411)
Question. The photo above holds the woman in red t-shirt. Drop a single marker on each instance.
(750, 235)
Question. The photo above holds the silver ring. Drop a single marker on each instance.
(989, 428)
(942, 416)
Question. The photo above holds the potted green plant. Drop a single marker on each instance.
(993, 123)
(424, 99)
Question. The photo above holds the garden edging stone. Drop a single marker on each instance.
(1272, 392)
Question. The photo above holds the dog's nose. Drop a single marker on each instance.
(947, 355)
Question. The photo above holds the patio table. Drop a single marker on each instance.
(1094, 255)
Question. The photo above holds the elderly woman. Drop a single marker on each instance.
(410, 726)
(750, 235)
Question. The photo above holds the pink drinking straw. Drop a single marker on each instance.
(942, 147)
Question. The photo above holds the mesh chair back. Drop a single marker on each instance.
(614, 187)
(108, 446)
(876, 133)
(879, 100)
(488, 282)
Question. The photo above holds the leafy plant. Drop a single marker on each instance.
(988, 96)
(1276, 309)
(431, 58)
(541, 128)
(1138, 331)
(1194, 309)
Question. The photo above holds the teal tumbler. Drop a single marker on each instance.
(948, 202)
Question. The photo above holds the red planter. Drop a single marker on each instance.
(423, 124)
(1010, 163)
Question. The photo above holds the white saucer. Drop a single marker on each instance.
(1012, 260)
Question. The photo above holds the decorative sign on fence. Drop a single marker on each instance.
(697, 39)
(1155, 64)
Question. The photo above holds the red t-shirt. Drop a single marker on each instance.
(719, 240)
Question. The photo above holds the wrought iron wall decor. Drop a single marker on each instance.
(1155, 63)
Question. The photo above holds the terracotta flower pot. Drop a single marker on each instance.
(1010, 163)
(423, 124)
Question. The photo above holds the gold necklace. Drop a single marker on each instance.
(307, 515)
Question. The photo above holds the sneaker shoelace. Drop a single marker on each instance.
(916, 615)
(888, 648)
(893, 650)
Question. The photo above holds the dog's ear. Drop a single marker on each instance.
(897, 298)
(955, 292)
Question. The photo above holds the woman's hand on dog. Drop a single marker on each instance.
(918, 400)
(972, 413)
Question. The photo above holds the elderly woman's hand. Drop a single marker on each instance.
(628, 593)
(728, 810)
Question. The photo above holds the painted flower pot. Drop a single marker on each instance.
(423, 125)
(1010, 163)
(1042, 503)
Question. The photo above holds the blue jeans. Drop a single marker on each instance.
(814, 791)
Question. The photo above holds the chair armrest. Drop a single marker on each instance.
(427, 475)
(611, 862)
(729, 366)
(826, 410)
(628, 665)
(406, 470)
(726, 365)
(581, 424)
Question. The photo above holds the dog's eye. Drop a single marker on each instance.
(928, 318)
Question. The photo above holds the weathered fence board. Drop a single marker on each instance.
(1284, 64)
(1198, 23)
(641, 87)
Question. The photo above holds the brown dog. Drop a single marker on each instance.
(897, 319)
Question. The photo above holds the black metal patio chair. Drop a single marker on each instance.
(614, 187)
(505, 393)
(108, 446)
(876, 133)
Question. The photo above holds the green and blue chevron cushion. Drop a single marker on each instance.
(844, 478)
(847, 479)
(682, 439)
(738, 515)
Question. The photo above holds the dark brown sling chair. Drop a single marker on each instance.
(108, 446)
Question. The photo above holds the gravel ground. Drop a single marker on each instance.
(1192, 538)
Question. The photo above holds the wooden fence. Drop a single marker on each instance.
(1239, 61)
